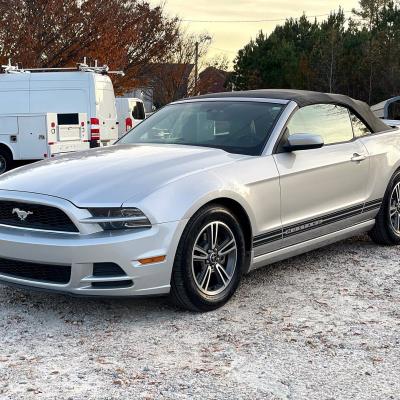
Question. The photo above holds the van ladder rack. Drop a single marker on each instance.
(103, 70)
(12, 69)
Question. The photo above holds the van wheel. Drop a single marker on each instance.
(5, 161)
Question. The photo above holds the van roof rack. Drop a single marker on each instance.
(11, 69)
(84, 67)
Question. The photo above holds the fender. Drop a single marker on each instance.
(186, 198)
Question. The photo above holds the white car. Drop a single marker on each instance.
(394, 123)
(199, 194)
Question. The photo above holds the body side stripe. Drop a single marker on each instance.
(314, 223)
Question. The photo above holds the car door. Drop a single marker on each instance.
(322, 190)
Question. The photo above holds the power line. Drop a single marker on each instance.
(224, 50)
(255, 20)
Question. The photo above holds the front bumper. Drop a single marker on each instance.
(81, 251)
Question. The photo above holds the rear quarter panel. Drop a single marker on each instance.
(384, 153)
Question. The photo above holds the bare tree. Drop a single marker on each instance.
(173, 77)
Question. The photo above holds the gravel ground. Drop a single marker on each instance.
(323, 326)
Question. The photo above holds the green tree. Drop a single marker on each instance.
(358, 56)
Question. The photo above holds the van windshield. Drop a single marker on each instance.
(234, 126)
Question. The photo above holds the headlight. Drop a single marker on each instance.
(118, 218)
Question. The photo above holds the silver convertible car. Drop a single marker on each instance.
(199, 194)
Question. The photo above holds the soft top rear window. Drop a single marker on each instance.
(241, 127)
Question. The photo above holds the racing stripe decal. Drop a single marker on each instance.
(266, 238)
(314, 223)
(372, 205)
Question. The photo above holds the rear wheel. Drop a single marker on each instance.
(209, 261)
(5, 161)
(387, 226)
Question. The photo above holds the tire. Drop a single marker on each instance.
(204, 279)
(5, 161)
(386, 230)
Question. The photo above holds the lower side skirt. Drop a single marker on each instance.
(311, 244)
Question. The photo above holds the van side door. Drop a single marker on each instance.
(32, 137)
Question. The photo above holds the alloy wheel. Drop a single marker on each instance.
(214, 258)
(394, 209)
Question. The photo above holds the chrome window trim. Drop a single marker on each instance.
(279, 128)
(231, 99)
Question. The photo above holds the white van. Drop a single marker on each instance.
(38, 136)
(73, 91)
(130, 112)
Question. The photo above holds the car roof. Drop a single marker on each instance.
(305, 98)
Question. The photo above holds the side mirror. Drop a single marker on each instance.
(303, 141)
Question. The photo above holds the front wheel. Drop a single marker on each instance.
(387, 226)
(209, 261)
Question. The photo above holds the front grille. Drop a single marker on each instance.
(60, 274)
(35, 216)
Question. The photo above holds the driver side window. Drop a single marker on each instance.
(330, 121)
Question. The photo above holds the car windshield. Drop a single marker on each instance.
(241, 127)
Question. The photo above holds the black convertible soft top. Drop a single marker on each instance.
(306, 98)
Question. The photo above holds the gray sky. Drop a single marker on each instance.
(230, 37)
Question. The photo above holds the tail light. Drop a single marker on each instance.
(128, 123)
(95, 128)
(51, 136)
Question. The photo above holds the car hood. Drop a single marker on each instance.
(109, 176)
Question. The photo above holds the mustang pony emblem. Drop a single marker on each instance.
(22, 215)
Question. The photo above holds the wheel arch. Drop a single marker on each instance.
(239, 211)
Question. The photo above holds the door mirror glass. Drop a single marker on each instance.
(303, 141)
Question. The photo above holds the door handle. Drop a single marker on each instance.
(358, 157)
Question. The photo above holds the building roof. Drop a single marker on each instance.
(305, 98)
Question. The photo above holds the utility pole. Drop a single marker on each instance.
(203, 39)
(196, 67)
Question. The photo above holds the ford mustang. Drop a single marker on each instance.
(202, 192)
